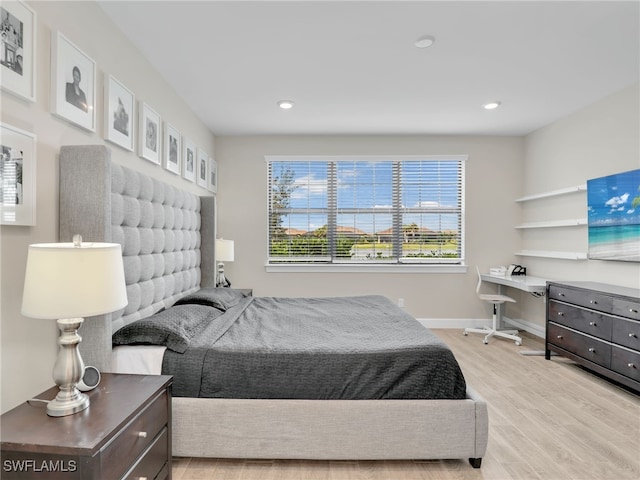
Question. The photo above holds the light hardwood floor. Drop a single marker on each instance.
(548, 420)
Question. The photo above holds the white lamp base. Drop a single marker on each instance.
(67, 371)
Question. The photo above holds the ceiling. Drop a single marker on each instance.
(351, 67)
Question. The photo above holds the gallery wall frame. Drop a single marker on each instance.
(203, 169)
(172, 149)
(119, 107)
(73, 83)
(213, 176)
(189, 156)
(18, 174)
(18, 28)
(149, 133)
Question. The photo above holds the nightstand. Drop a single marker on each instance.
(125, 433)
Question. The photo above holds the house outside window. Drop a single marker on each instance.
(366, 210)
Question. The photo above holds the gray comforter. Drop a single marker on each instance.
(316, 348)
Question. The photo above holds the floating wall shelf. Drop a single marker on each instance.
(550, 254)
(553, 193)
(555, 223)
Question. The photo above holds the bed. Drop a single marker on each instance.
(167, 237)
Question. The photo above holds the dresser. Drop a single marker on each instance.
(598, 326)
(125, 433)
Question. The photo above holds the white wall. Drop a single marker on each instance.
(493, 175)
(596, 141)
(28, 346)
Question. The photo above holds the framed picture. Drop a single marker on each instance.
(149, 133)
(213, 175)
(189, 160)
(203, 165)
(73, 83)
(18, 26)
(172, 149)
(119, 107)
(17, 176)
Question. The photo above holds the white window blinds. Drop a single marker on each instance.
(366, 209)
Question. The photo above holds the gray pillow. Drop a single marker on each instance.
(220, 298)
(173, 328)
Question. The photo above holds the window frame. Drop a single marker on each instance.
(397, 264)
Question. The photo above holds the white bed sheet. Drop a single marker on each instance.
(139, 359)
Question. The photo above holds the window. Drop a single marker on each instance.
(366, 210)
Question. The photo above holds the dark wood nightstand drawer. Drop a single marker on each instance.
(135, 438)
(626, 308)
(625, 362)
(587, 347)
(152, 461)
(584, 298)
(587, 321)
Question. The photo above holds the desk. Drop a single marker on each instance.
(534, 285)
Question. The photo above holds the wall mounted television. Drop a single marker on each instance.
(613, 209)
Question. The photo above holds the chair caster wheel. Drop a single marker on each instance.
(465, 333)
(518, 344)
(485, 341)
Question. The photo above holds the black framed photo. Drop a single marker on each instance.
(149, 133)
(172, 149)
(73, 83)
(18, 174)
(18, 27)
(119, 105)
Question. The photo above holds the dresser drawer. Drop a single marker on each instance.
(587, 321)
(625, 362)
(134, 438)
(626, 308)
(152, 461)
(587, 347)
(584, 298)
(627, 333)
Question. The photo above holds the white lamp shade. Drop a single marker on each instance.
(64, 280)
(224, 250)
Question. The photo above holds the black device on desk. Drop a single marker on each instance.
(516, 270)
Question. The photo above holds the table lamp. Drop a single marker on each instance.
(224, 253)
(66, 282)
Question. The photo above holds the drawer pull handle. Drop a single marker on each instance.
(142, 434)
(559, 337)
(592, 350)
(632, 335)
(593, 302)
(142, 478)
(593, 324)
(560, 294)
(561, 314)
(631, 365)
(633, 310)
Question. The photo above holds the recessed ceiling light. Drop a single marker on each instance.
(424, 41)
(491, 105)
(286, 104)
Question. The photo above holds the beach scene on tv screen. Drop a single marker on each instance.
(614, 217)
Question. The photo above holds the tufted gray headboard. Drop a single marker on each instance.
(167, 237)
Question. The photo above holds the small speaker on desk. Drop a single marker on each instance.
(90, 379)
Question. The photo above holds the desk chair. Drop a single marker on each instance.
(495, 300)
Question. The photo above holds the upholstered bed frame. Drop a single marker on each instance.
(167, 237)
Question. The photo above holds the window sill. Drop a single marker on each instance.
(348, 268)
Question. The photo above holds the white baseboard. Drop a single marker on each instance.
(532, 328)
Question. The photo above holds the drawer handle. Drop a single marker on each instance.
(559, 337)
(593, 324)
(633, 310)
(632, 335)
(631, 365)
(142, 434)
(142, 478)
(561, 314)
(560, 294)
(593, 302)
(592, 350)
